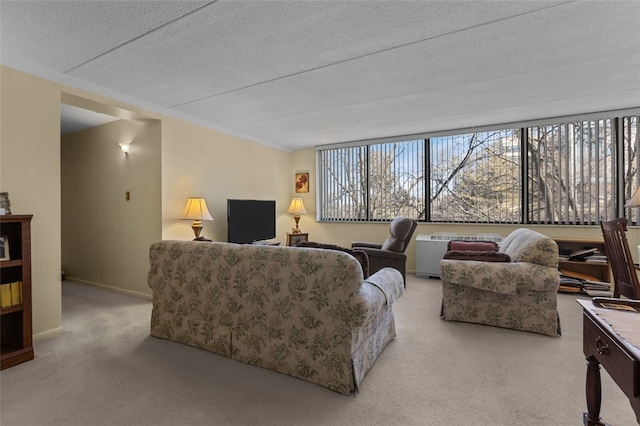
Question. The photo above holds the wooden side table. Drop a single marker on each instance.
(605, 334)
(294, 239)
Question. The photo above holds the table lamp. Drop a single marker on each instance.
(296, 208)
(196, 210)
(635, 202)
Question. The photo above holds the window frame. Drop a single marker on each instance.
(617, 181)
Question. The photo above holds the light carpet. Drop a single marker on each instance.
(105, 369)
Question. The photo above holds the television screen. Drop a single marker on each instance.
(250, 220)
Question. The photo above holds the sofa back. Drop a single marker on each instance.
(234, 282)
(526, 245)
(305, 312)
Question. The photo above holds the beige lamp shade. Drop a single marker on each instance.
(635, 200)
(296, 208)
(196, 210)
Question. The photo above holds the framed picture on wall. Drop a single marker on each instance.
(5, 204)
(302, 182)
(4, 248)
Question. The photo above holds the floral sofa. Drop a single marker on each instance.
(516, 288)
(305, 312)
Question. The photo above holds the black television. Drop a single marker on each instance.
(250, 220)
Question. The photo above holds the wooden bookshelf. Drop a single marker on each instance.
(599, 271)
(16, 344)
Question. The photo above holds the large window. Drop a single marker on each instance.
(373, 182)
(475, 177)
(573, 172)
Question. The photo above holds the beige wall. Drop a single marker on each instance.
(30, 172)
(199, 162)
(105, 237)
(344, 233)
(194, 161)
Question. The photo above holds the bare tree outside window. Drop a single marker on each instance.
(475, 177)
(396, 180)
(577, 172)
(573, 170)
(631, 144)
(374, 183)
(343, 187)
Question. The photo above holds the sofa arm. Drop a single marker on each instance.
(363, 244)
(499, 277)
(376, 293)
(387, 254)
(390, 282)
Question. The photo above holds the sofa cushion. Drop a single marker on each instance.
(527, 245)
(472, 245)
(360, 255)
(483, 256)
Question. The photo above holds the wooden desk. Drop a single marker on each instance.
(607, 342)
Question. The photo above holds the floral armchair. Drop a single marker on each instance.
(518, 292)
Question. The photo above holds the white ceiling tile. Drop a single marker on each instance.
(300, 73)
(62, 34)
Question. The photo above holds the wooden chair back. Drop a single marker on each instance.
(625, 276)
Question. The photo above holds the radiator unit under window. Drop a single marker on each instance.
(431, 248)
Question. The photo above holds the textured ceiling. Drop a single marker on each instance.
(296, 74)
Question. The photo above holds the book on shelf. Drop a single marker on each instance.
(598, 293)
(580, 255)
(576, 284)
(569, 289)
(11, 294)
(5, 295)
(16, 293)
(571, 281)
(596, 285)
(596, 258)
(578, 275)
(570, 284)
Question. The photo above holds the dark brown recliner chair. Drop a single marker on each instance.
(391, 253)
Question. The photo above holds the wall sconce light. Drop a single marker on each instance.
(296, 208)
(196, 210)
(125, 147)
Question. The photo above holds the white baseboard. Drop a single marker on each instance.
(47, 334)
(131, 293)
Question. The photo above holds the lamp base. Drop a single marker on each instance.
(296, 230)
(197, 228)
